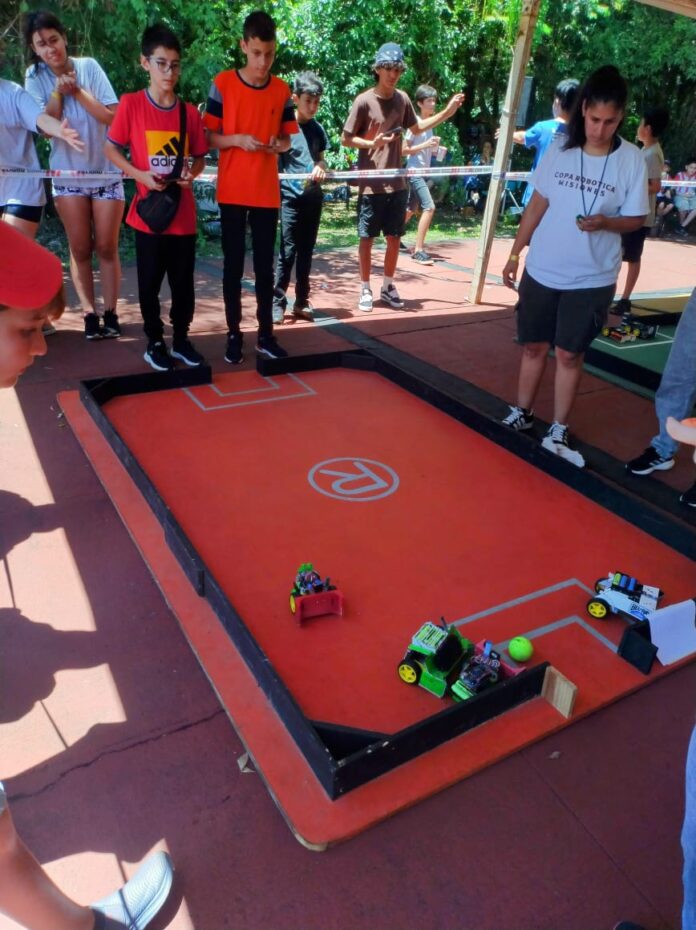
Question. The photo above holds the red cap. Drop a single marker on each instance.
(30, 276)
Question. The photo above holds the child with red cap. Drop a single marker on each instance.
(31, 293)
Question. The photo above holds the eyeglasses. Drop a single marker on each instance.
(164, 66)
(390, 66)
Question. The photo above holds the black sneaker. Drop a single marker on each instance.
(681, 231)
(186, 353)
(233, 353)
(267, 345)
(157, 356)
(92, 327)
(648, 462)
(519, 418)
(689, 497)
(422, 258)
(111, 328)
(620, 307)
(402, 246)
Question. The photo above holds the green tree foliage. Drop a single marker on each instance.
(453, 44)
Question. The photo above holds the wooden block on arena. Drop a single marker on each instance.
(559, 691)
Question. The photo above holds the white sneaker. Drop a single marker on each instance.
(365, 302)
(390, 296)
(556, 442)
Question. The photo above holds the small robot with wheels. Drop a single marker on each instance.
(435, 657)
(619, 593)
(312, 596)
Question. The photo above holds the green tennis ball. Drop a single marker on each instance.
(520, 649)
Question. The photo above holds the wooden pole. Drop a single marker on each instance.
(525, 33)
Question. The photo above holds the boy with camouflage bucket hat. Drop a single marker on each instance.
(375, 126)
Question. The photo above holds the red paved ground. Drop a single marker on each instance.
(114, 743)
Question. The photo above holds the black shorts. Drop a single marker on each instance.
(569, 320)
(632, 244)
(22, 212)
(382, 213)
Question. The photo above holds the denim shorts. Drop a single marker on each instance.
(420, 197)
(107, 192)
(382, 213)
(567, 319)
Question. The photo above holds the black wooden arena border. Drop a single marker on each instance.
(343, 758)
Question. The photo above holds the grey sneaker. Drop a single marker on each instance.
(303, 312)
(519, 418)
(390, 296)
(365, 302)
(422, 258)
(556, 441)
(277, 315)
(134, 905)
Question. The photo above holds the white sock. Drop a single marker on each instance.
(386, 282)
(364, 285)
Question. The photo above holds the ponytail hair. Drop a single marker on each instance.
(605, 85)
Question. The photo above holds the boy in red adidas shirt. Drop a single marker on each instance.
(250, 117)
(149, 124)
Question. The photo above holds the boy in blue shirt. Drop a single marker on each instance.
(301, 202)
(541, 134)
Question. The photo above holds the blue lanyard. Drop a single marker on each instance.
(585, 211)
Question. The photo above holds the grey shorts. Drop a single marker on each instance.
(420, 197)
(568, 319)
(382, 213)
(107, 192)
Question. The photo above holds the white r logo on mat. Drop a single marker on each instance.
(353, 479)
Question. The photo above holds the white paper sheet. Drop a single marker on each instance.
(673, 631)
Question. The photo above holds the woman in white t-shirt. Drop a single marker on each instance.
(588, 189)
(91, 210)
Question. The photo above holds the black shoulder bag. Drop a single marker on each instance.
(158, 208)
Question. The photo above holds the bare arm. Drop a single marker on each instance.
(432, 121)
(188, 174)
(517, 136)
(50, 126)
(654, 185)
(532, 216)
(431, 143)
(152, 181)
(358, 142)
(67, 85)
(249, 143)
(319, 169)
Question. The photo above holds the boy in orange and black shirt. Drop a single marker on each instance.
(250, 117)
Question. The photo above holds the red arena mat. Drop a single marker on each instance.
(415, 517)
